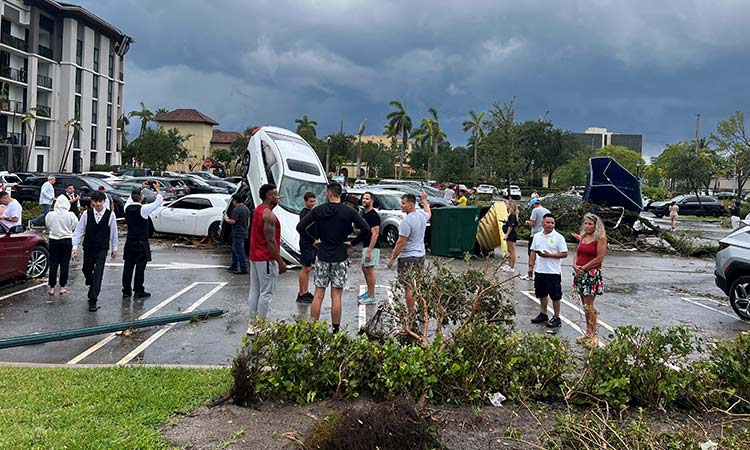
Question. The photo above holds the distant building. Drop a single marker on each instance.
(200, 128)
(385, 141)
(223, 139)
(61, 63)
(600, 137)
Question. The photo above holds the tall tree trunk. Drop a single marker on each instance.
(403, 151)
(359, 158)
(476, 173)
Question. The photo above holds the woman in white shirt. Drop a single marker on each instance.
(61, 223)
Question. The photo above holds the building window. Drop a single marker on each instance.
(109, 139)
(111, 65)
(79, 52)
(108, 159)
(40, 163)
(109, 115)
(79, 81)
(77, 107)
(92, 160)
(95, 112)
(76, 138)
(93, 137)
(96, 60)
(109, 91)
(95, 87)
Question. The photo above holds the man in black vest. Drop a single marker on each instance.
(97, 229)
(137, 252)
(74, 199)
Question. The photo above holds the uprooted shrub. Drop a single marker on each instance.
(384, 426)
(304, 362)
(729, 371)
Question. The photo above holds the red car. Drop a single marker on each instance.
(24, 254)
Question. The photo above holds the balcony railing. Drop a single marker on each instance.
(12, 106)
(14, 42)
(41, 141)
(43, 111)
(13, 74)
(44, 51)
(44, 81)
(12, 138)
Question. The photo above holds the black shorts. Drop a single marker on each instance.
(548, 284)
(307, 256)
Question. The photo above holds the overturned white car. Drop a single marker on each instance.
(282, 157)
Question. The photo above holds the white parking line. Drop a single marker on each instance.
(690, 300)
(111, 336)
(164, 330)
(563, 318)
(23, 290)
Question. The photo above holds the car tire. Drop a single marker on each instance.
(214, 232)
(739, 297)
(391, 235)
(717, 213)
(38, 264)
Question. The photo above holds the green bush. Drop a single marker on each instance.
(729, 367)
(31, 210)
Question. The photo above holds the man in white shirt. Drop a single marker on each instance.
(46, 198)
(97, 229)
(547, 252)
(449, 193)
(11, 216)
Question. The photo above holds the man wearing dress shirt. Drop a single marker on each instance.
(137, 252)
(97, 229)
(46, 198)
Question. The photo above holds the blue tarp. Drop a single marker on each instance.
(610, 184)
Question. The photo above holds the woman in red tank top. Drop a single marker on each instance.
(587, 277)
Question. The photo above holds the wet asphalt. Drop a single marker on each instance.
(641, 289)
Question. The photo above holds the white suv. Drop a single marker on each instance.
(515, 192)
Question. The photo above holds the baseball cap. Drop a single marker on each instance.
(534, 201)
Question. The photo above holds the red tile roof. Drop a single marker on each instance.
(185, 115)
(224, 137)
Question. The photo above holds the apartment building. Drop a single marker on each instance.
(61, 87)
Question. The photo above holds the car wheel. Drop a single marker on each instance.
(214, 232)
(391, 235)
(717, 213)
(38, 262)
(739, 297)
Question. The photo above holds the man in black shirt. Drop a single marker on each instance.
(370, 247)
(334, 221)
(240, 221)
(73, 199)
(307, 250)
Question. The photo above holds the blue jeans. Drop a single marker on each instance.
(239, 261)
(45, 210)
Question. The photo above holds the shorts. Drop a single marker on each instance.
(307, 256)
(548, 284)
(590, 283)
(408, 264)
(374, 261)
(333, 273)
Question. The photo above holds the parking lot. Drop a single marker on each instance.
(646, 290)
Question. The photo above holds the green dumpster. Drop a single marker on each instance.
(453, 230)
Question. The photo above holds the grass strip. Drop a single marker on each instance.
(99, 408)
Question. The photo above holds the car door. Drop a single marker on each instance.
(203, 216)
(15, 255)
(175, 218)
(688, 206)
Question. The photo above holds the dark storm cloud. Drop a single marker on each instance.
(634, 67)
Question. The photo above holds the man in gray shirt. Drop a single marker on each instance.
(535, 222)
(409, 249)
(239, 218)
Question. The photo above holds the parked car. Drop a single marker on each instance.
(732, 272)
(360, 183)
(436, 201)
(84, 186)
(192, 215)
(235, 180)
(205, 175)
(282, 157)
(24, 175)
(486, 189)
(387, 203)
(723, 196)
(9, 181)
(199, 186)
(515, 192)
(172, 188)
(136, 172)
(689, 206)
(123, 190)
(109, 177)
(24, 253)
(225, 186)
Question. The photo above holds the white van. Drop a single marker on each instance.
(282, 157)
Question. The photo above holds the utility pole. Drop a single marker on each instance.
(697, 132)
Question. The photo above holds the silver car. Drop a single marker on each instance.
(387, 203)
(733, 269)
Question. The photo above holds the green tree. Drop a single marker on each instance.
(306, 127)
(399, 120)
(360, 132)
(499, 150)
(453, 164)
(381, 160)
(733, 142)
(685, 167)
(232, 156)
(144, 115)
(158, 149)
(341, 148)
(627, 158)
(474, 125)
(575, 171)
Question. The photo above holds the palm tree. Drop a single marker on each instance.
(474, 124)
(359, 149)
(145, 116)
(436, 134)
(305, 125)
(75, 125)
(392, 133)
(29, 120)
(160, 111)
(400, 121)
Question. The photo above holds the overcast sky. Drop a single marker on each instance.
(636, 66)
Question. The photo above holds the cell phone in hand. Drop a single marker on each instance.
(538, 252)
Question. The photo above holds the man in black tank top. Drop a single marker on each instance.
(97, 229)
(137, 251)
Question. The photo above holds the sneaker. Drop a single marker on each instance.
(142, 295)
(305, 298)
(366, 299)
(240, 272)
(231, 269)
(540, 318)
(554, 322)
(526, 277)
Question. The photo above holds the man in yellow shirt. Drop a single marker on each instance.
(462, 199)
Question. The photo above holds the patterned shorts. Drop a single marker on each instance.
(333, 273)
(590, 283)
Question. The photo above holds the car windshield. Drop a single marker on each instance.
(392, 202)
(678, 198)
(292, 193)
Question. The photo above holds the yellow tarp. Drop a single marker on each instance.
(489, 231)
